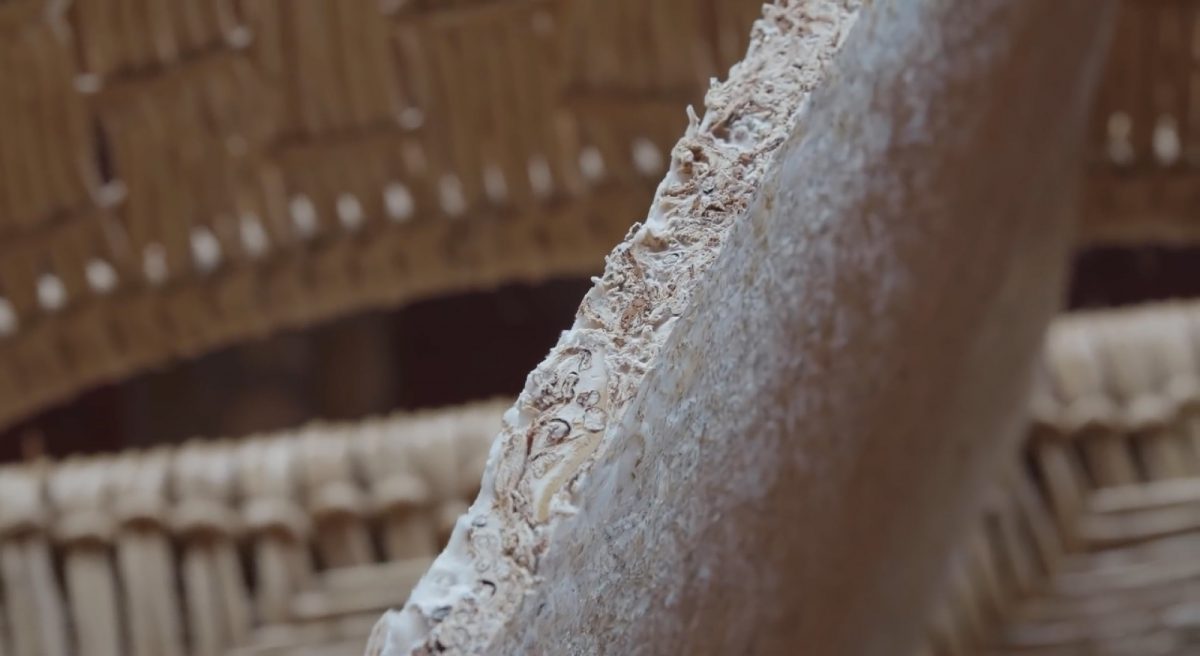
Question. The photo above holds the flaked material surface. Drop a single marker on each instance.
(773, 456)
(574, 401)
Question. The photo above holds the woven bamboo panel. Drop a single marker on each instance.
(280, 544)
(1145, 129)
(1090, 542)
(179, 176)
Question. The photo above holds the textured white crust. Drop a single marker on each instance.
(567, 413)
(781, 394)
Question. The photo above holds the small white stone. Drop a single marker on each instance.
(350, 211)
(206, 250)
(101, 276)
(591, 164)
(51, 293)
(304, 216)
(398, 201)
(254, 236)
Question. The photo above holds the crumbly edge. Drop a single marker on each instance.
(573, 401)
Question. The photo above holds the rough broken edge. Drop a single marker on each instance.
(572, 407)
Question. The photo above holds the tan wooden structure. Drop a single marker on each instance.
(1088, 541)
(179, 176)
(276, 544)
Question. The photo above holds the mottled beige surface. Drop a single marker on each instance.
(773, 408)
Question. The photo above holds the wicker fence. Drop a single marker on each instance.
(281, 544)
(1089, 541)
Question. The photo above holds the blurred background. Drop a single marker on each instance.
(243, 215)
(234, 216)
(433, 353)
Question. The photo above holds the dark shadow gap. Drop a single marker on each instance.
(433, 353)
(1107, 277)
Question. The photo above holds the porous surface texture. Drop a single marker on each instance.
(772, 409)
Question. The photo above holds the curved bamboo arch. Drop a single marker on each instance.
(177, 178)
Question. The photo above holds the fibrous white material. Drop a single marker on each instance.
(787, 377)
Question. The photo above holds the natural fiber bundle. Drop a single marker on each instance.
(784, 391)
